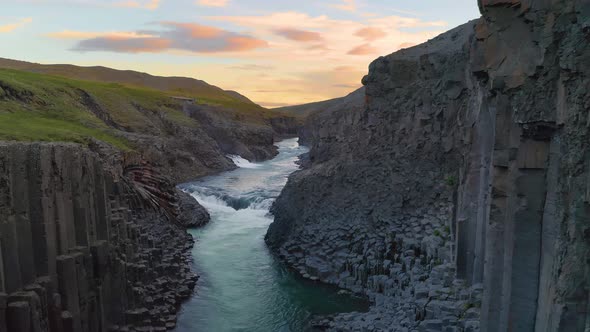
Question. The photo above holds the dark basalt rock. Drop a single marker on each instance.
(456, 198)
(74, 257)
(191, 213)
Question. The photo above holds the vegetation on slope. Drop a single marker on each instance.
(180, 86)
(41, 107)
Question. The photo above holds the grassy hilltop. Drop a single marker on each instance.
(69, 103)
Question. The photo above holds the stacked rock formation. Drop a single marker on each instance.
(457, 198)
(73, 257)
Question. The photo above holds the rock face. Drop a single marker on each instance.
(192, 214)
(457, 198)
(307, 110)
(73, 257)
(186, 153)
(253, 141)
(329, 128)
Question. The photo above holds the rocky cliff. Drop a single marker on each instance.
(457, 197)
(73, 256)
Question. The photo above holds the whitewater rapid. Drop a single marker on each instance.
(242, 286)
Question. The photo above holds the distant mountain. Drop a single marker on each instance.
(182, 85)
(306, 110)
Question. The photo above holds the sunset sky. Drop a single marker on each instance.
(275, 52)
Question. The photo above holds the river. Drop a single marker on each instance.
(243, 287)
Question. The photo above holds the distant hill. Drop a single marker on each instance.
(183, 86)
(306, 110)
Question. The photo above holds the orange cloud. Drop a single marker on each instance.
(197, 30)
(240, 43)
(299, 35)
(363, 49)
(212, 3)
(149, 4)
(254, 62)
(191, 37)
(371, 34)
(131, 45)
(11, 27)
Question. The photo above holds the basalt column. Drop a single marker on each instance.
(73, 257)
(532, 58)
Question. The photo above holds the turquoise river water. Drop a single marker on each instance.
(243, 287)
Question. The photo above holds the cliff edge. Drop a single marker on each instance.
(457, 197)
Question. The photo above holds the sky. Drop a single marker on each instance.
(279, 52)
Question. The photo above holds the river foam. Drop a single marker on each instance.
(242, 162)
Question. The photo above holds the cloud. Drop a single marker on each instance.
(70, 34)
(318, 47)
(345, 68)
(346, 5)
(147, 4)
(212, 3)
(125, 44)
(363, 49)
(13, 26)
(318, 69)
(139, 4)
(252, 67)
(190, 37)
(299, 35)
(371, 34)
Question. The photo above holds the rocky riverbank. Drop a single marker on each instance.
(456, 196)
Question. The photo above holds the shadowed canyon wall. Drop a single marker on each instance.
(457, 197)
(73, 257)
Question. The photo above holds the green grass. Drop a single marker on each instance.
(22, 126)
(42, 107)
(39, 107)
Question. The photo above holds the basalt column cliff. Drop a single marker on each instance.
(73, 256)
(458, 197)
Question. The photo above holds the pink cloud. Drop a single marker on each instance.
(299, 35)
(363, 49)
(71, 34)
(242, 43)
(189, 37)
(130, 45)
(196, 30)
(212, 3)
(149, 4)
(371, 34)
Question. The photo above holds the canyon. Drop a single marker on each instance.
(454, 191)
(92, 230)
